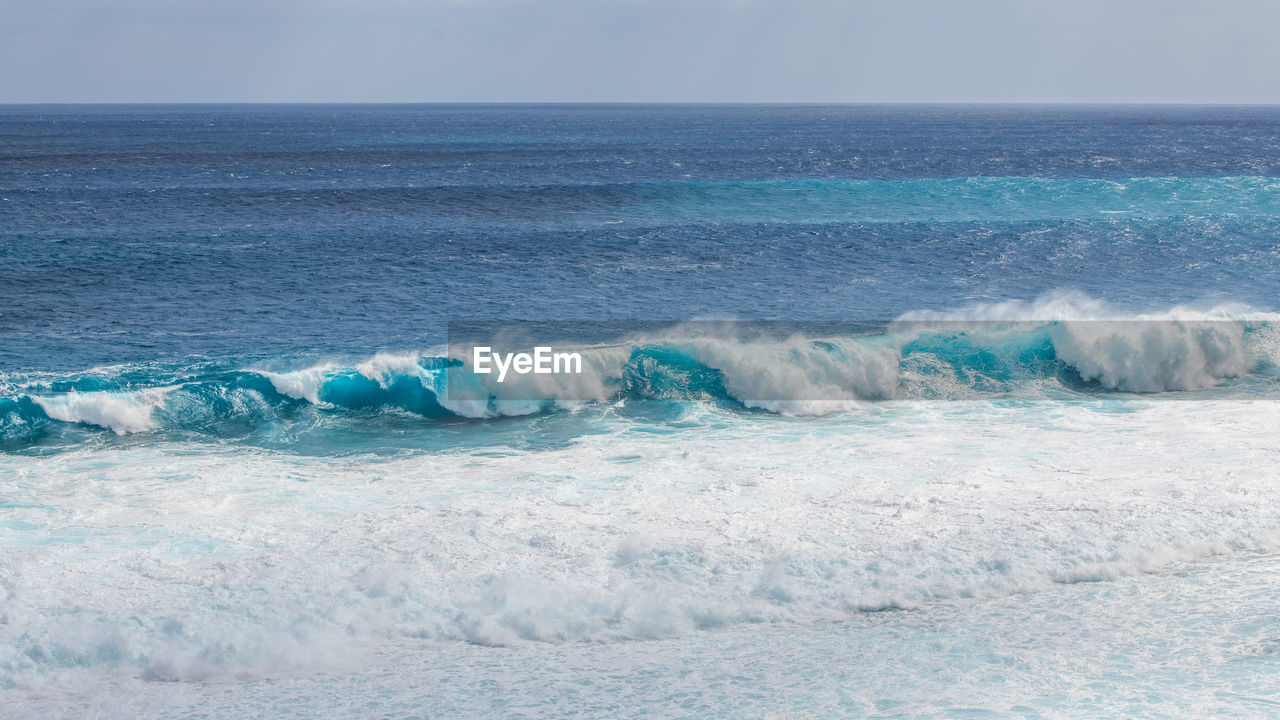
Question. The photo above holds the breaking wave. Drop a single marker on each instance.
(1061, 345)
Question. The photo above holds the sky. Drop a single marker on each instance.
(1182, 51)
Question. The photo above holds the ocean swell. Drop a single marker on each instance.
(1062, 345)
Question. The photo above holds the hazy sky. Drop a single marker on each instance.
(640, 50)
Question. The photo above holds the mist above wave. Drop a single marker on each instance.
(1060, 343)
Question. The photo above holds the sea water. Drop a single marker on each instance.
(1012, 453)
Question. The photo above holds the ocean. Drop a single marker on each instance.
(887, 411)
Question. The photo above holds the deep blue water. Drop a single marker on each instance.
(137, 233)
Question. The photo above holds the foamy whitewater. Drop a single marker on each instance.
(884, 412)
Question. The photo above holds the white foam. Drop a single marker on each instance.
(204, 563)
(1154, 356)
(384, 368)
(1181, 348)
(121, 412)
(304, 384)
(1073, 305)
(471, 394)
(801, 376)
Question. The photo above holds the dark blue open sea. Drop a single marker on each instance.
(1008, 447)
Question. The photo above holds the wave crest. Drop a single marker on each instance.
(1060, 342)
(120, 412)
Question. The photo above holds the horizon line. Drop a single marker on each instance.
(739, 103)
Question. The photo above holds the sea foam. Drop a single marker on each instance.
(120, 412)
(252, 563)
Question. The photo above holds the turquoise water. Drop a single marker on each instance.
(886, 411)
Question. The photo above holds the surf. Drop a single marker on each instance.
(1059, 347)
